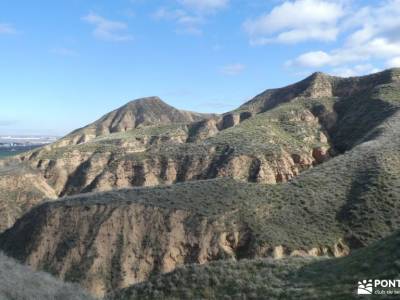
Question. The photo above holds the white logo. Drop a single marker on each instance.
(365, 287)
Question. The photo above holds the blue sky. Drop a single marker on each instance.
(65, 63)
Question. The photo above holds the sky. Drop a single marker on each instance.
(65, 63)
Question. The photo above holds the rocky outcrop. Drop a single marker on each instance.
(338, 249)
(320, 154)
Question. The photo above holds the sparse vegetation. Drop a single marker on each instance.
(353, 197)
(18, 282)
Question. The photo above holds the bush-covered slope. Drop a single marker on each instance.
(114, 239)
(289, 278)
(19, 282)
(341, 205)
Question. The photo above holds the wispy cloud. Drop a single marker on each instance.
(190, 15)
(64, 51)
(205, 5)
(296, 21)
(232, 69)
(186, 23)
(106, 29)
(7, 29)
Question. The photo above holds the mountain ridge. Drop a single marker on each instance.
(316, 85)
(309, 177)
(266, 147)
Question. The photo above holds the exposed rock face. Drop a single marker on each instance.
(338, 249)
(290, 278)
(101, 172)
(112, 245)
(320, 154)
(20, 189)
(155, 171)
(107, 247)
(229, 120)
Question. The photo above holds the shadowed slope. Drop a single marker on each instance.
(18, 282)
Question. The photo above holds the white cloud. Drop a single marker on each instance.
(106, 29)
(7, 29)
(187, 23)
(314, 59)
(233, 69)
(204, 5)
(299, 35)
(393, 62)
(356, 70)
(372, 35)
(297, 21)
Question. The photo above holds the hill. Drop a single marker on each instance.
(334, 163)
(345, 203)
(270, 139)
(269, 147)
(137, 113)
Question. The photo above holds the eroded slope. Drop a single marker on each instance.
(115, 239)
(290, 278)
